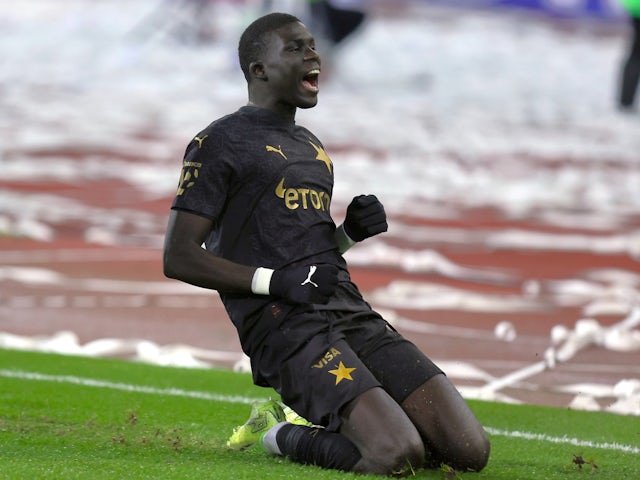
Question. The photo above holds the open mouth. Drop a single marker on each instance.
(310, 81)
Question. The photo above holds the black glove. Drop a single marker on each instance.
(307, 284)
(365, 218)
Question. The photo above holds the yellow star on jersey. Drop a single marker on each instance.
(322, 155)
(342, 373)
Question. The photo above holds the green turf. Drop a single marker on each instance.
(81, 418)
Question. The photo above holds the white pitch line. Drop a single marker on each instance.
(90, 382)
(543, 437)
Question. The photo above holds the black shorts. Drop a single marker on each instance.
(353, 353)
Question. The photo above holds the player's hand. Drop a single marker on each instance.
(308, 284)
(365, 218)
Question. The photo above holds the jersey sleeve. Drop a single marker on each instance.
(205, 176)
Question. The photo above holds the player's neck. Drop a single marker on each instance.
(287, 112)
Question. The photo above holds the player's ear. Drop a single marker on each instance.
(257, 70)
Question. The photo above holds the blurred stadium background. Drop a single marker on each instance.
(488, 128)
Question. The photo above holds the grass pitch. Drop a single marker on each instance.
(65, 417)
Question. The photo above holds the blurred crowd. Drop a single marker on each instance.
(335, 21)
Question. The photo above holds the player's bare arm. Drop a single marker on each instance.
(185, 259)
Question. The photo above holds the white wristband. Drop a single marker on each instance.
(261, 281)
(344, 241)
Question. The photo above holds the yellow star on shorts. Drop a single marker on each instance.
(342, 373)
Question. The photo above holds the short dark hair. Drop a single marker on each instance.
(254, 39)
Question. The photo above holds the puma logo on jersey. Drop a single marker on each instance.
(302, 197)
(276, 150)
(200, 140)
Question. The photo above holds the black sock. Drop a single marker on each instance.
(316, 446)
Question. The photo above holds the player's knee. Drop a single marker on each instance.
(411, 458)
(397, 456)
(479, 452)
(473, 453)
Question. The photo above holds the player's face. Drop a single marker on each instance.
(292, 67)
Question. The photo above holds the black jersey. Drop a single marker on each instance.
(267, 184)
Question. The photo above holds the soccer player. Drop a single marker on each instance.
(256, 189)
